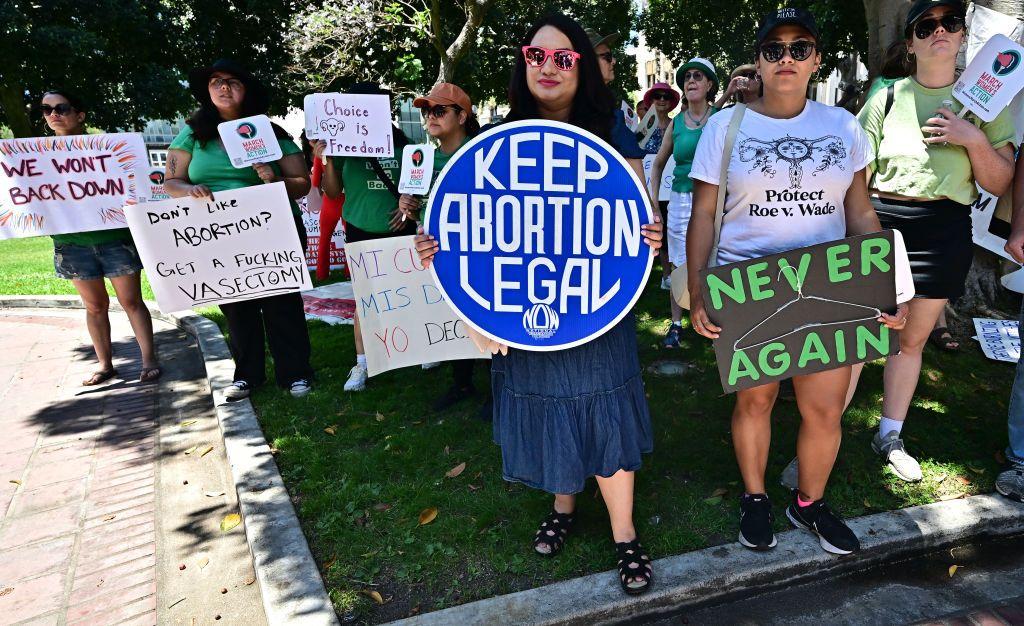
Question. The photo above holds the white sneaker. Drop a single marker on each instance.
(236, 391)
(430, 366)
(666, 283)
(356, 379)
(300, 388)
(902, 464)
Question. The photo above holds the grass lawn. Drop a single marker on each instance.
(361, 467)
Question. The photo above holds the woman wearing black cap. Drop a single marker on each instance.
(198, 166)
(371, 193)
(928, 161)
(835, 153)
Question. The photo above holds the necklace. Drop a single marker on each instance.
(698, 123)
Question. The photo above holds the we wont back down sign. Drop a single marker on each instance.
(803, 311)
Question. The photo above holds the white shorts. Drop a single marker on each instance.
(679, 206)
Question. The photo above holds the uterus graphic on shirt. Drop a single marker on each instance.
(827, 151)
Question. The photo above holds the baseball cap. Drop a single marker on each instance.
(445, 93)
(783, 17)
(596, 39)
(921, 7)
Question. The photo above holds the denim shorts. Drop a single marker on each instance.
(75, 262)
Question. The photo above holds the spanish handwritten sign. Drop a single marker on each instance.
(1000, 339)
(403, 316)
(992, 78)
(241, 245)
(250, 140)
(55, 185)
(351, 124)
(667, 176)
(804, 311)
(538, 224)
(417, 169)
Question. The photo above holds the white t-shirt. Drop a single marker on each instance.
(787, 178)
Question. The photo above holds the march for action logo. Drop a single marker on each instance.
(246, 130)
(417, 158)
(1006, 62)
(156, 177)
(538, 226)
(794, 151)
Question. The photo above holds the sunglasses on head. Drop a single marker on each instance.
(799, 50)
(923, 29)
(61, 109)
(437, 111)
(537, 56)
(696, 75)
(661, 95)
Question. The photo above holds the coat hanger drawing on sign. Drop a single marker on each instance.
(800, 297)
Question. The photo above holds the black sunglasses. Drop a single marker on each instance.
(61, 109)
(923, 29)
(799, 50)
(437, 111)
(661, 95)
(607, 56)
(696, 75)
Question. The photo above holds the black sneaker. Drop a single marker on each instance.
(671, 339)
(453, 396)
(756, 522)
(833, 533)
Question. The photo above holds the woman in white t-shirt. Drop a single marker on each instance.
(788, 149)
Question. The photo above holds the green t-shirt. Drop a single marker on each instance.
(211, 166)
(94, 237)
(440, 160)
(904, 164)
(368, 203)
(684, 145)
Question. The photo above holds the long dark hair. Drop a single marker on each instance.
(76, 103)
(593, 106)
(205, 119)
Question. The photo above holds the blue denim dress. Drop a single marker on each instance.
(561, 417)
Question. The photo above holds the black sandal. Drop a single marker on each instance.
(635, 572)
(941, 338)
(552, 532)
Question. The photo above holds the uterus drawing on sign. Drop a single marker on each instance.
(332, 126)
(794, 151)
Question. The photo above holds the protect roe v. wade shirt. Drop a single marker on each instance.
(787, 179)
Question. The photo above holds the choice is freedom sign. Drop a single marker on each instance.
(538, 226)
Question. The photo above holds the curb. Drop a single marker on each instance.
(290, 584)
(715, 574)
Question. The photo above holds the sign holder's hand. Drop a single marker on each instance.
(265, 172)
(409, 205)
(1015, 246)
(699, 318)
(898, 321)
(948, 127)
(426, 247)
(653, 234)
(200, 191)
(319, 146)
(483, 343)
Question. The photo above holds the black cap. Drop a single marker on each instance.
(256, 94)
(921, 7)
(783, 17)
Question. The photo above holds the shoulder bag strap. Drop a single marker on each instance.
(723, 175)
(384, 178)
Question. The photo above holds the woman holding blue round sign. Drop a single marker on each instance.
(785, 146)
(563, 416)
(198, 166)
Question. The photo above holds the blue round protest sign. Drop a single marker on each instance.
(538, 225)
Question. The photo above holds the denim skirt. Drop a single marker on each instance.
(561, 417)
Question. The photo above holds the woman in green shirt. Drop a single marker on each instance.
(926, 165)
(198, 166)
(371, 207)
(87, 258)
(699, 82)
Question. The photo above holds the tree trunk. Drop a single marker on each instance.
(13, 103)
(885, 25)
(475, 11)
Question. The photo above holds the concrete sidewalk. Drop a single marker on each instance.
(105, 519)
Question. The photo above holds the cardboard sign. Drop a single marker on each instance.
(665, 189)
(645, 128)
(403, 317)
(250, 140)
(332, 304)
(56, 185)
(999, 339)
(152, 189)
(241, 245)
(992, 78)
(335, 241)
(352, 125)
(629, 114)
(417, 169)
(804, 311)
(539, 230)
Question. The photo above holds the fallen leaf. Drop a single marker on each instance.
(455, 471)
(380, 418)
(868, 504)
(109, 517)
(14, 482)
(976, 470)
(250, 580)
(6, 591)
(187, 423)
(204, 561)
(932, 376)
(964, 480)
(721, 491)
(951, 496)
(380, 506)
(953, 569)
(230, 521)
(214, 494)
(206, 450)
(713, 500)
(331, 430)
(191, 450)
(374, 595)
(473, 487)
(328, 564)
(941, 477)
(428, 515)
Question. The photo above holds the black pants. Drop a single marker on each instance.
(285, 322)
(462, 371)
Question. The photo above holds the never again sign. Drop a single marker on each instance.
(539, 231)
(803, 311)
